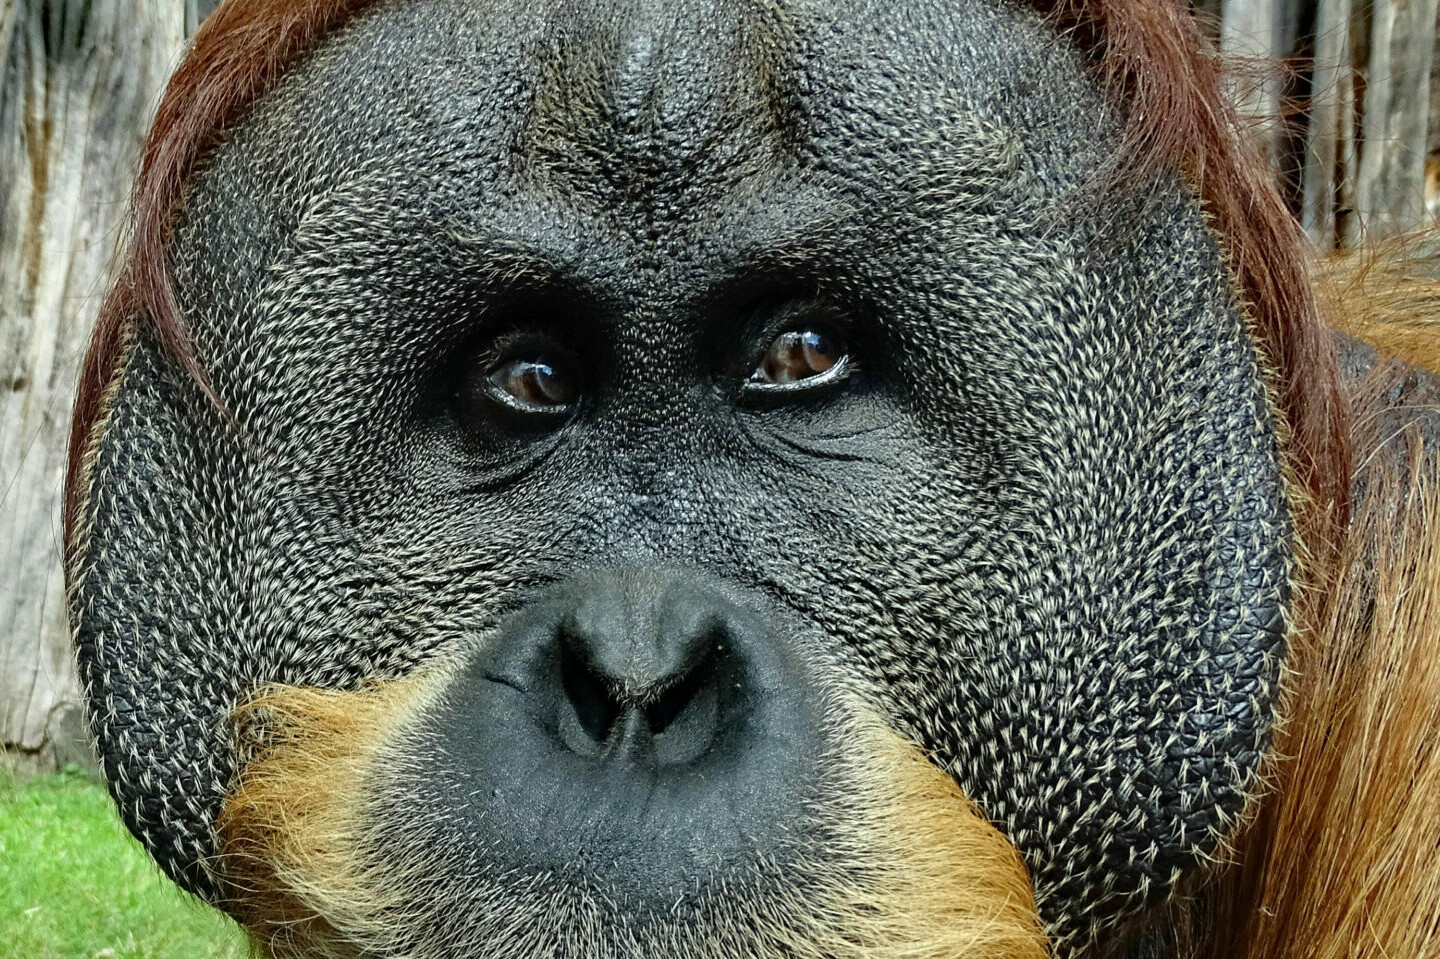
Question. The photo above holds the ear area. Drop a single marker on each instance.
(1151, 56)
(239, 54)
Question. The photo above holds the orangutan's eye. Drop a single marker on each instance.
(533, 384)
(798, 356)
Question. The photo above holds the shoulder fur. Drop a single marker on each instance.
(1351, 868)
(1387, 298)
(1340, 857)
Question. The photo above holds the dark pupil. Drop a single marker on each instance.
(533, 382)
(797, 355)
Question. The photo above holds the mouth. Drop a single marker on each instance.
(353, 831)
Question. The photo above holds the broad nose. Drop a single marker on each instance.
(645, 728)
(636, 696)
(644, 667)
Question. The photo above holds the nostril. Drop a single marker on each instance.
(642, 688)
(684, 719)
(672, 702)
(595, 708)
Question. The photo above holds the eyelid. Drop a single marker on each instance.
(766, 321)
(511, 343)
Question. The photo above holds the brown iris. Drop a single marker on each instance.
(797, 355)
(533, 383)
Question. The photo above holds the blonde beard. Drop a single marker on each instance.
(915, 871)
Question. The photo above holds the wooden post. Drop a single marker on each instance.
(1390, 185)
(78, 82)
(1253, 44)
(1331, 77)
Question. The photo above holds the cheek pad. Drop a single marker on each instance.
(1112, 648)
(185, 602)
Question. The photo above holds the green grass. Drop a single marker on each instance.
(73, 883)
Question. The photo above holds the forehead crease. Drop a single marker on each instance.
(641, 126)
(651, 96)
(630, 106)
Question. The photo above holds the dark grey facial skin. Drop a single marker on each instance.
(1038, 520)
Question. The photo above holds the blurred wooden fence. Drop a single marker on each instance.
(1338, 96)
(1338, 93)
